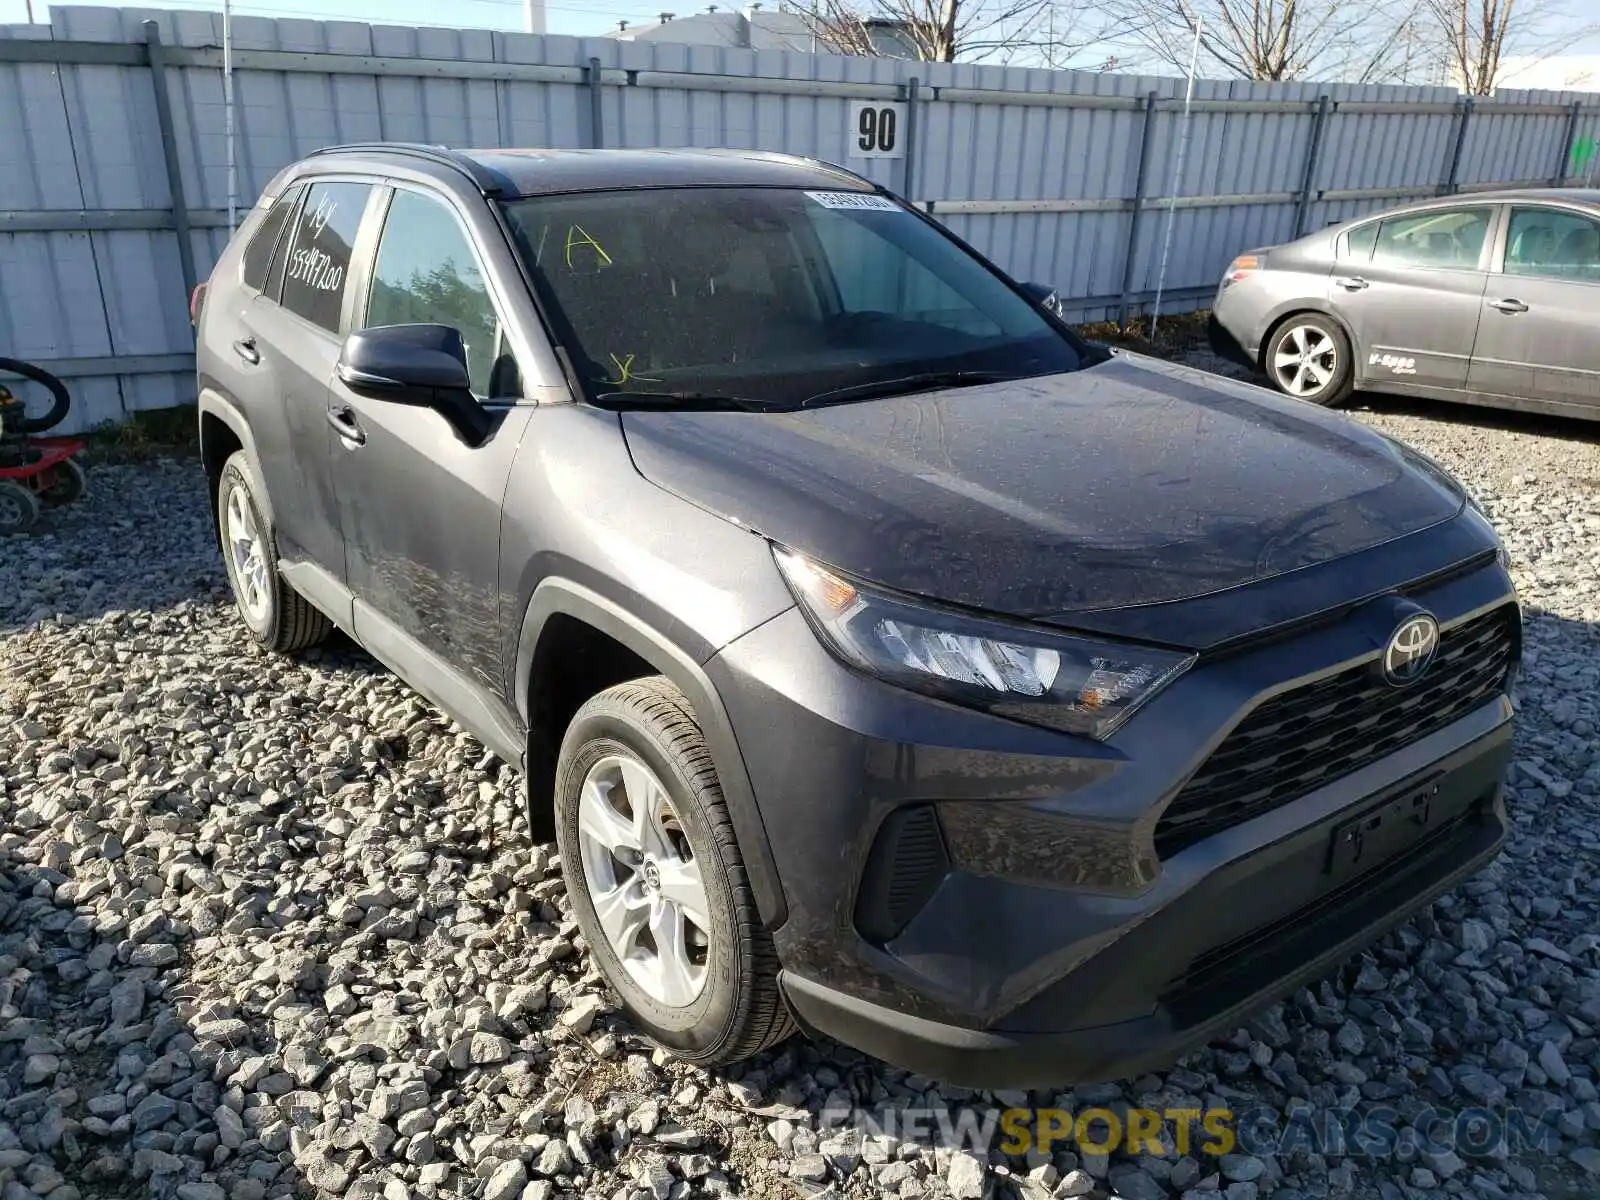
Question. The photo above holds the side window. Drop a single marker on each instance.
(258, 254)
(1451, 237)
(427, 273)
(1552, 243)
(1357, 244)
(319, 252)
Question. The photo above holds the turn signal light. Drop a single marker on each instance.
(1245, 264)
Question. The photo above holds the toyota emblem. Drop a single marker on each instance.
(1410, 650)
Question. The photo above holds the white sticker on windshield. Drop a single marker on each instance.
(859, 200)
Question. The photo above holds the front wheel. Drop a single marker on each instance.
(1309, 358)
(19, 508)
(657, 882)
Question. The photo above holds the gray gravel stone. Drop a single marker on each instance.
(966, 1176)
(506, 1182)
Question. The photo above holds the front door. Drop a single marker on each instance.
(1536, 337)
(419, 507)
(1413, 305)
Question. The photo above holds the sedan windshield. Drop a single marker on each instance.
(772, 297)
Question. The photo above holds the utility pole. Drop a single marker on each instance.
(531, 12)
(30, 12)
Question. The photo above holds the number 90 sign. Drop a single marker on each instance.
(876, 129)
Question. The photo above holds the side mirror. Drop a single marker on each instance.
(1044, 296)
(422, 365)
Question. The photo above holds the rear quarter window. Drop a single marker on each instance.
(257, 264)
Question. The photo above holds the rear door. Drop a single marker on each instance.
(293, 331)
(1536, 337)
(1413, 301)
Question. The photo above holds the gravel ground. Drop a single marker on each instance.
(273, 926)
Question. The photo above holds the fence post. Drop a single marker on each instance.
(1450, 188)
(1138, 209)
(1313, 151)
(1567, 143)
(908, 182)
(169, 151)
(597, 114)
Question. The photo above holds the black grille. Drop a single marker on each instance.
(1305, 738)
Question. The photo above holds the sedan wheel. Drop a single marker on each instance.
(1305, 362)
(1308, 357)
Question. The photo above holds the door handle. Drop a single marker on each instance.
(1352, 283)
(245, 348)
(1509, 305)
(346, 426)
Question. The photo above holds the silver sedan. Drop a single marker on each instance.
(1492, 298)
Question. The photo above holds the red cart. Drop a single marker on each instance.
(35, 471)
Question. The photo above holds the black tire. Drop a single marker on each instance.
(1331, 354)
(740, 1010)
(19, 508)
(60, 399)
(68, 484)
(285, 621)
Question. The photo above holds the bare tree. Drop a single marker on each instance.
(1356, 40)
(945, 30)
(1479, 37)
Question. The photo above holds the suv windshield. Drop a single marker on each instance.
(772, 294)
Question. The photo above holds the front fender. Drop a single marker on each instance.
(560, 596)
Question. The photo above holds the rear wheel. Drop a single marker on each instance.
(277, 616)
(656, 878)
(67, 485)
(1308, 357)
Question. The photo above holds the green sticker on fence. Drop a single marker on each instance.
(1582, 153)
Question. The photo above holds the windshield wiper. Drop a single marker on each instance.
(682, 401)
(923, 381)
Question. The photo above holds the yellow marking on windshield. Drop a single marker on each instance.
(577, 236)
(625, 373)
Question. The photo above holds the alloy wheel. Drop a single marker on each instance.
(248, 552)
(644, 880)
(1305, 361)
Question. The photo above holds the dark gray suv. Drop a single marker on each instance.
(883, 657)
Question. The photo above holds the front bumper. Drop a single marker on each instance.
(1224, 985)
(1037, 937)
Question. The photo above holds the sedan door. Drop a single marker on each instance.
(419, 506)
(1413, 303)
(1536, 339)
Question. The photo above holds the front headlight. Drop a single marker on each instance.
(1030, 674)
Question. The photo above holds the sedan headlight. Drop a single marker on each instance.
(1057, 680)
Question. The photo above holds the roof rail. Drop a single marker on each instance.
(490, 183)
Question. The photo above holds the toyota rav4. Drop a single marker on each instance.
(882, 657)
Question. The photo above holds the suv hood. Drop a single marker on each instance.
(1135, 482)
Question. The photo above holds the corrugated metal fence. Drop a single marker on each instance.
(113, 179)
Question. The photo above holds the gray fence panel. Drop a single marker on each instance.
(1038, 169)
